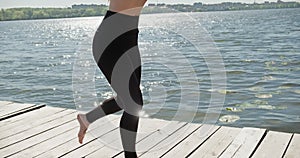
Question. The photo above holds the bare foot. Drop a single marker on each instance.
(84, 124)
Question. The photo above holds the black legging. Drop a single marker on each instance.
(115, 49)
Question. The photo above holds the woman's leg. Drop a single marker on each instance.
(109, 106)
(129, 121)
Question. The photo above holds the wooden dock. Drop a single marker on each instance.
(29, 130)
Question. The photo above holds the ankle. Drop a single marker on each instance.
(130, 154)
(84, 120)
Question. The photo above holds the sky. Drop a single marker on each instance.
(68, 3)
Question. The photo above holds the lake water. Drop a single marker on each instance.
(50, 61)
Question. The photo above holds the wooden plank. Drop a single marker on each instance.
(115, 140)
(36, 130)
(34, 115)
(244, 144)
(84, 150)
(4, 103)
(46, 145)
(31, 118)
(13, 108)
(216, 144)
(111, 145)
(43, 133)
(171, 141)
(46, 136)
(59, 140)
(20, 111)
(27, 125)
(273, 145)
(144, 144)
(59, 147)
(160, 135)
(189, 144)
(144, 130)
(293, 149)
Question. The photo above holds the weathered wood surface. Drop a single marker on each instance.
(293, 150)
(273, 145)
(9, 109)
(244, 143)
(29, 130)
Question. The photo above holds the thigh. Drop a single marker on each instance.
(122, 50)
(126, 73)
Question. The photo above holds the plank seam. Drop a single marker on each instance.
(287, 145)
(20, 119)
(136, 142)
(227, 147)
(92, 139)
(236, 150)
(38, 155)
(12, 112)
(22, 111)
(203, 142)
(36, 134)
(41, 142)
(165, 138)
(240, 145)
(260, 141)
(87, 142)
(118, 154)
(16, 133)
(98, 148)
(180, 141)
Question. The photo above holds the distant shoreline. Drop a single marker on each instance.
(84, 10)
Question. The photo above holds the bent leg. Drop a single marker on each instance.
(109, 106)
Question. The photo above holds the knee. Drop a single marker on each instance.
(129, 121)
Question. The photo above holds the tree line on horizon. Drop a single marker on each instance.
(85, 10)
(49, 13)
